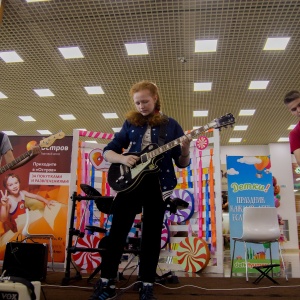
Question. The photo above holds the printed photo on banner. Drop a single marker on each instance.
(42, 187)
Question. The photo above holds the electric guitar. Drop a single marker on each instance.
(44, 143)
(122, 178)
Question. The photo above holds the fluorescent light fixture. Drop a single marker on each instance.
(83, 129)
(10, 57)
(196, 127)
(94, 90)
(44, 92)
(240, 127)
(137, 49)
(200, 113)
(116, 129)
(9, 132)
(68, 117)
(258, 85)
(246, 112)
(283, 139)
(70, 52)
(235, 140)
(292, 126)
(202, 86)
(44, 132)
(91, 142)
(110, 115)
(27, 118)
(2, 96)
(206, 45)
(276, 43)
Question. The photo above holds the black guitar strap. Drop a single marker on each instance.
(162, 133)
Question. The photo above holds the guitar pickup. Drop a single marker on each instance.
(144, 157)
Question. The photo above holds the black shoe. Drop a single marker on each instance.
(146, 293)
(104, 291)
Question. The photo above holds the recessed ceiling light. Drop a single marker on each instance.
(10, 56)
(258, 85)
(292, 126)
(94, 90)
(202, 86)
(2, 96)
(82, 129)
(276, 43)
(70, 52)
(137, 49)
(240, 127)
(27, 118)
(91, 142)
(110, 115)
(116, 129)
(44, 92)
(283, 139)
(206, 45)
(44, 131)
(200, 113)
(196, 127)
(235, 140)
(68, 117)
(246, 112)
(9, 132)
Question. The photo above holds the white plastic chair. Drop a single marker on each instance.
(38, 235)
(260, 226)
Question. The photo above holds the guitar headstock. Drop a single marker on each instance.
(224, 121)
(48, 141)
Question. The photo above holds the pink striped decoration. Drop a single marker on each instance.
(94, 134)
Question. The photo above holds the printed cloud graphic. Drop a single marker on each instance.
(232, 171)
(249, 160)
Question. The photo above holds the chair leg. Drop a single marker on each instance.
(246, 261)
(270, 247)
(283, 264)
(232, 258)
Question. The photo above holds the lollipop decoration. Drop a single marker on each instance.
(185, 213)
(202, 142)
(87, 260)
(193, 254)
(165, 233)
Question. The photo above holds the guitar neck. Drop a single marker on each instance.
(176, 142)
(15, 161)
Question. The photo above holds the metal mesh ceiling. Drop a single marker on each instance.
(170, 28)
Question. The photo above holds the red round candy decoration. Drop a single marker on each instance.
(193, 254)
(202, 142)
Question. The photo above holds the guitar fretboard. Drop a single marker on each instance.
(15, 161)
(177, 141)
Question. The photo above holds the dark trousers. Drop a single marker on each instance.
(145, 198)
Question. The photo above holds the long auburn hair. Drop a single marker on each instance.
(154, 119)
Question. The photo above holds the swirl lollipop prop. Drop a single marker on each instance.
(193, 254)
(87, 260)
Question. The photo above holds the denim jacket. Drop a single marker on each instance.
(131, 136)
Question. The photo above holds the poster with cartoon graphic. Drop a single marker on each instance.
(42, 187)
(250, 183)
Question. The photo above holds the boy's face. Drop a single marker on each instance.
(294, 107)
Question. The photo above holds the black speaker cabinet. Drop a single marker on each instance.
(26, 260)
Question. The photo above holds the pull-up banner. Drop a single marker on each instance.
(42, 186)
(249, 184)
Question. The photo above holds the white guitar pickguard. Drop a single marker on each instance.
(139, 168)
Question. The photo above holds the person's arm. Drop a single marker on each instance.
(297, 156)
(184, 158)
(40, 198)
(9, 156)
(128, 160)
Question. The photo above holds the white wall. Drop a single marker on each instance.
(281, 168)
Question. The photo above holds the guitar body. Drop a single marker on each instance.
(122, 178)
